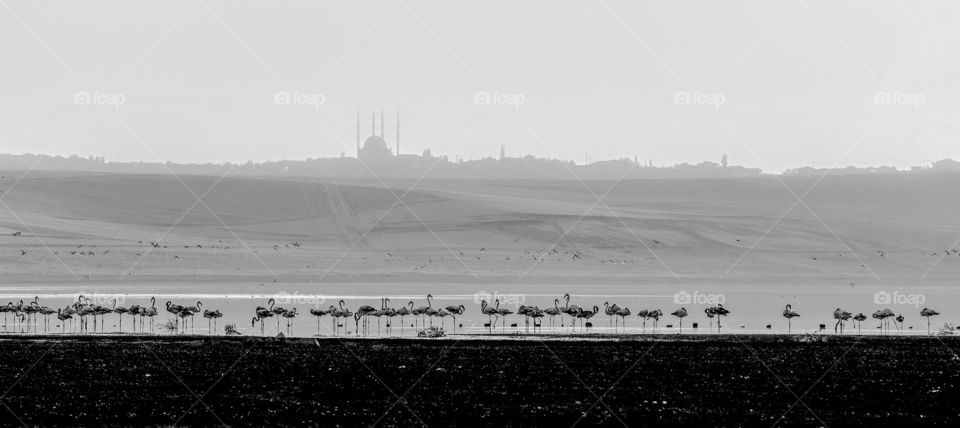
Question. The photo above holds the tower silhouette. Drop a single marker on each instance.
(398, 132)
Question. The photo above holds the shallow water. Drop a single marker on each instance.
(753, 307)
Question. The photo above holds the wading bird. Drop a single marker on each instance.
(490, 312)
(720, 311)
(611, 311)
(317, 312)
(789, 314)
(680, 313)
(504, 313)
(623, 313)
(553, 312)
(119, 310)
(927, 313)
(175, 310)
(454, 312)
(841, 316)
(404, 311)
(655, 314)
(709, 312)
(289, 316)
(858, 319)
(212, 315)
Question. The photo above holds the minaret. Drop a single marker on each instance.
(358, 132)
(398, 132)
(373, 122)
(382, 135)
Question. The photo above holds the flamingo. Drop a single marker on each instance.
(404, 311)
(571, 310)
(720, 311)
(655, 314)
(504, 312)
(289, 315)
(336, 313)
(859, 318)
(553, 312)
(878, 315)
(367, 310)
(175, 310)
(377, 313)
(262, 314)
(317, 313)
(841, 316)
(899, 320)
(212, 315)
(9, 307)
(193, 311)
(424, 309)
(253, 323)
(680, 313)
(586, 315)
(454, 312)
(643, 314)
(149, 312)
(526, 311)
(927, 313)
(789, 314)
(46, 312)
(537, 314)
(710, 312)
(119, 310)
(490, 312)
(278, 311)
(442, 314)
(623, 313)
(63, 317)
(610, 310)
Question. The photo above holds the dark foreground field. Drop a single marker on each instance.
(712, 381)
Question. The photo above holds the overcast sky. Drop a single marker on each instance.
(775, 84)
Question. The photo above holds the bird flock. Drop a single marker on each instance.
(86, 316)
(77, 316)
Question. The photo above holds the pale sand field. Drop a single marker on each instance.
(98, 228)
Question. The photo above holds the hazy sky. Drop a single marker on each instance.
(774, 84)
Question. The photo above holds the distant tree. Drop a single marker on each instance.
(723, 160)
(427, 154)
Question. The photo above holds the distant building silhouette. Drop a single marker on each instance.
(375, 147)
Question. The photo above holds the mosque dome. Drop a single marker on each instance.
(374, 147)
